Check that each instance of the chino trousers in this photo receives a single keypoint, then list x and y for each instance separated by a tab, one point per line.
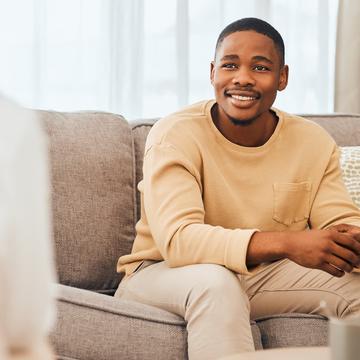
217	304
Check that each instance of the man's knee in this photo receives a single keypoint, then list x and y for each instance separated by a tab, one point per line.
216	280
350	296
217	291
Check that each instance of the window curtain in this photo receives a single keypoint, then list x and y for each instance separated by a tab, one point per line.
347	78
146	58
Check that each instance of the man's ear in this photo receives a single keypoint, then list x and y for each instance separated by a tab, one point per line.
212	69
283	79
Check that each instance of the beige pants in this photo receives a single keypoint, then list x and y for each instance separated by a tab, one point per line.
217	303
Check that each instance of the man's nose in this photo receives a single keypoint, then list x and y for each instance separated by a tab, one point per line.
243	77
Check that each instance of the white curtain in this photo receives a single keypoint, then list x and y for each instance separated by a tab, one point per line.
347	75
146	58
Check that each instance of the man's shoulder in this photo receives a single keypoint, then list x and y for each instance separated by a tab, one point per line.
187	120
297	125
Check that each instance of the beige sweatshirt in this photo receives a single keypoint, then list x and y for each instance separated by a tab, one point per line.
202	196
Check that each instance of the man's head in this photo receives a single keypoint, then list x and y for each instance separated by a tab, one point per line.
247	71
257	25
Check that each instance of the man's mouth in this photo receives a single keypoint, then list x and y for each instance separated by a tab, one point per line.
243	98
243	95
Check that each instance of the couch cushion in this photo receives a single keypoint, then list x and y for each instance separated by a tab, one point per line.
110	328
350	165
93	195
94	326
288	330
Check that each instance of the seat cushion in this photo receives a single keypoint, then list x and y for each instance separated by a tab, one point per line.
287	330
94	326
93	195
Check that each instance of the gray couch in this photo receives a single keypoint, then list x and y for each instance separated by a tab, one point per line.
96	161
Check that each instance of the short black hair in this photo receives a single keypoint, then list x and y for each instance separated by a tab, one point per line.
258	25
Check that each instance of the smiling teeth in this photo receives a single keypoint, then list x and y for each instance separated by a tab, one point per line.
243	98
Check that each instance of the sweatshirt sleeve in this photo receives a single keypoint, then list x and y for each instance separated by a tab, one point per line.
332	204
175	212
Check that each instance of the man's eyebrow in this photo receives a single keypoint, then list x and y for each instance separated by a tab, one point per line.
262	58
256	58
229	57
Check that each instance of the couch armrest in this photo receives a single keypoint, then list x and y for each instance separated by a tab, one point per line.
109	304
95	326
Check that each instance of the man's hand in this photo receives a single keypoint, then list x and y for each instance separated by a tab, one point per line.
335	250
348	229
331	250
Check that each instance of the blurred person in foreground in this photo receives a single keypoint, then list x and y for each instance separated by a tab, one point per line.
27	309
244	210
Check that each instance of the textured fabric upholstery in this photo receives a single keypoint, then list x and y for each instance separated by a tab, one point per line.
140	130
344	128
92	195
93	326
350	165
107	328
293	330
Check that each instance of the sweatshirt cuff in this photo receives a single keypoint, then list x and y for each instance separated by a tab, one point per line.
235	255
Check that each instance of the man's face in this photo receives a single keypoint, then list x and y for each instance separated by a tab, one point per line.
246	75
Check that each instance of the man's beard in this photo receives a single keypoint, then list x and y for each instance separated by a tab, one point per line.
243	123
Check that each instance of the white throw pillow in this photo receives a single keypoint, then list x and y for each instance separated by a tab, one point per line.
350	165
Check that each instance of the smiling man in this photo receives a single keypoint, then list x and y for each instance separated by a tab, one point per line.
239	219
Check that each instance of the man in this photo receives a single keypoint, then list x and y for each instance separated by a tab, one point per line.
27	307
239	219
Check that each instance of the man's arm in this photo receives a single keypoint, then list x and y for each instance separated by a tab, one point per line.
335	250
175	212
328	250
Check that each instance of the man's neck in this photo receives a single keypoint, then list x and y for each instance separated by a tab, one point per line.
255	133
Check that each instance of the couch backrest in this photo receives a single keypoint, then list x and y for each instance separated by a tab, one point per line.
140	130
344	128
93	195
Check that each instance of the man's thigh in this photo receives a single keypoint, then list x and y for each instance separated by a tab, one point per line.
172	289
284	287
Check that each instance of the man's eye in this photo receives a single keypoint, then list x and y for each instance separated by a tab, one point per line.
261	68
229	66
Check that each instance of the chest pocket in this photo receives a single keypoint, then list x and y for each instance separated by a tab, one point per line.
291	202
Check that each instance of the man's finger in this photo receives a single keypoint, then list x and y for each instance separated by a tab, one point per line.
339	227
346	254
340	264
357	237
346	228
348	241
332	270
